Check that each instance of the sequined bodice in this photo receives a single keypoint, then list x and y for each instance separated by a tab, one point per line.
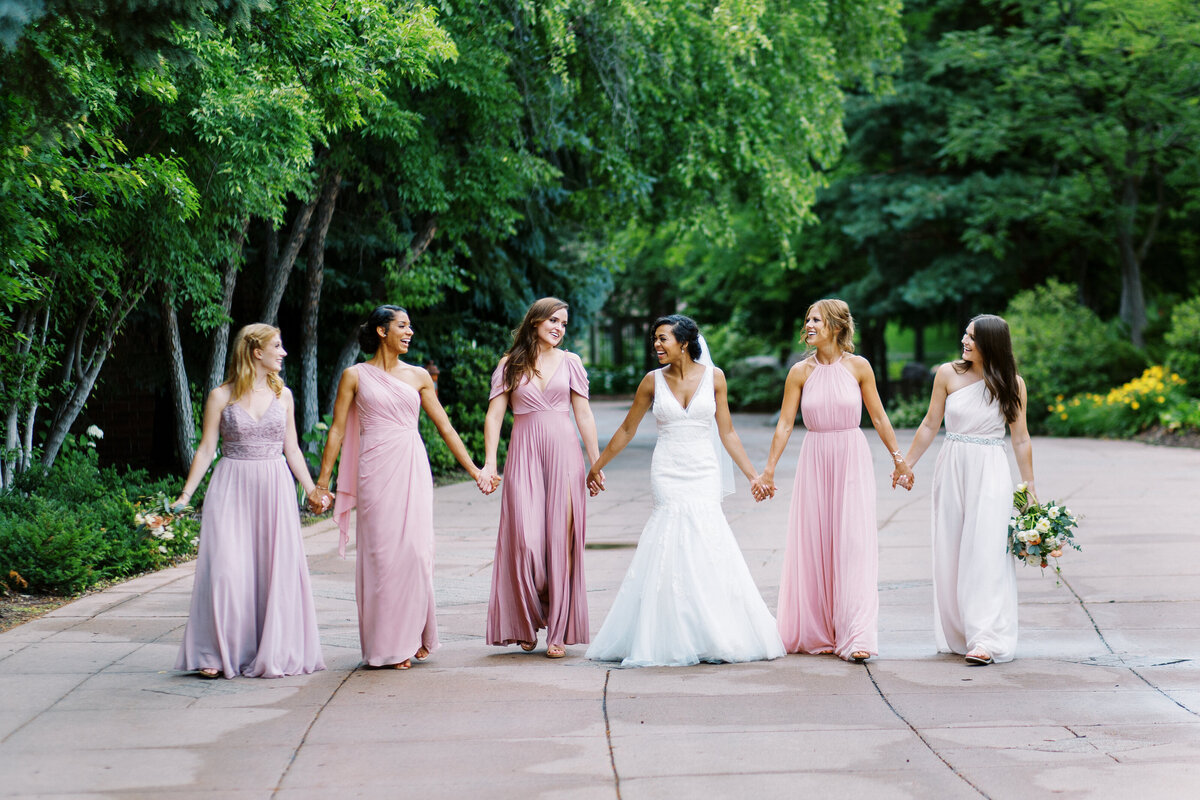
243	437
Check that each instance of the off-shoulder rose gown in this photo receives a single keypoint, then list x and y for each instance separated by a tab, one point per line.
384	477
537	576
974	576
252	610
828	595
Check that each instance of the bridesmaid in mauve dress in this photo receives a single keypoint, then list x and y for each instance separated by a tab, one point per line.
252	611
385	478
537	576
828	597
974	576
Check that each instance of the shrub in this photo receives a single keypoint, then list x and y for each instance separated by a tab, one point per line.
1124	411
756	388
1183	339
1064	349
69	527
907	412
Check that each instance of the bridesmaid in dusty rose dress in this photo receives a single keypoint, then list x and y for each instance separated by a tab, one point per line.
828	597
384	476
252	610
537	576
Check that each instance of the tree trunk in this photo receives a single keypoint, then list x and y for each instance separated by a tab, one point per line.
80	374
1133	300
279	271
345	359
181	396
219	347
919	343
312	303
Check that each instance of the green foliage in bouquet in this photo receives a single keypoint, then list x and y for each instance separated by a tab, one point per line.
1038	532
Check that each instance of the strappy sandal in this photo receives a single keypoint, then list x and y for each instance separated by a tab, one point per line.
555	651
208	673
528	646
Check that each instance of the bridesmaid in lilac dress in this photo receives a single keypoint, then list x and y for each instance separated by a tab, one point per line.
828	597
384	477
252	611
537	576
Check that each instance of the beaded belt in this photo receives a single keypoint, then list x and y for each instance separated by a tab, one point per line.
962	437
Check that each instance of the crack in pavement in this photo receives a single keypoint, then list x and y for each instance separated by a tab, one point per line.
919	735
612	758
1107	646
292	758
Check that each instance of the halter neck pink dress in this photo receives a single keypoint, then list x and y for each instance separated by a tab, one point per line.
252	610
537	576
384	477
828	596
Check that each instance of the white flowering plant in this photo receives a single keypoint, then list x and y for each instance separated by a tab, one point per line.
1038	532
171	528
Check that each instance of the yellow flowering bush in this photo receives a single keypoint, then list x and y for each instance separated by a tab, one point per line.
1156	398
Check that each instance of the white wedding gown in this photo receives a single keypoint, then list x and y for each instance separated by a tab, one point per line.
688	595
974	575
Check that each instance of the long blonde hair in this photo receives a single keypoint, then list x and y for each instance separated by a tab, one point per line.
522	356
837	316
240	376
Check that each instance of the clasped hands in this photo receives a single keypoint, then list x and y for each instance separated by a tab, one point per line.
320	500
595	481
487	480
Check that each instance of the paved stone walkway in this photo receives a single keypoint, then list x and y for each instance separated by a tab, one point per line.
1102	701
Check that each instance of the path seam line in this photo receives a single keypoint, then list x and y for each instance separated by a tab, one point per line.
307	731
612	758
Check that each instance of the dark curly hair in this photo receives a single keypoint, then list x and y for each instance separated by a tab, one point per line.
685	331
368	332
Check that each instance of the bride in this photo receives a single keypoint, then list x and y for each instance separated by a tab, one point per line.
688	595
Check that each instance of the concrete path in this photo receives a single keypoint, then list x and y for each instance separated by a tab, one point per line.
1102	701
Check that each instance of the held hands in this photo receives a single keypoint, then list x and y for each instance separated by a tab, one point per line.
762	487
903	477
487	480
595	481
319	500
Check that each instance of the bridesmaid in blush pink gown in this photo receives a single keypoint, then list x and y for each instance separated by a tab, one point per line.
252	611
828	598
384	477
537	576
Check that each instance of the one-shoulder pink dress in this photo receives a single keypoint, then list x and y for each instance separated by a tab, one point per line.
252	610
828	596
537	577
384	477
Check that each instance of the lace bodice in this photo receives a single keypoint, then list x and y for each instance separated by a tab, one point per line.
244	437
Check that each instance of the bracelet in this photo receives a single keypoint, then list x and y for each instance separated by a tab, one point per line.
322	488
896	457
185	494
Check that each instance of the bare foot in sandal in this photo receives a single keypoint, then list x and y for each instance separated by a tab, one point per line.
555	651
528	646
422	653
405	664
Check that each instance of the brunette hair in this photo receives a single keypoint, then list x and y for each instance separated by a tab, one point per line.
684	330
368	332
240	375
994	345
522	356
836	314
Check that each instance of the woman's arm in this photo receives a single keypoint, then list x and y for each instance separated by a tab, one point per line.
624	433
347	390
793	388
1022	444
317	501
493	421
437	415
729	437
210	431
932	423
901	473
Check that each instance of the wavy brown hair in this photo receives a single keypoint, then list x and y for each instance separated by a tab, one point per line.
836	314
522	356
240	376
994	345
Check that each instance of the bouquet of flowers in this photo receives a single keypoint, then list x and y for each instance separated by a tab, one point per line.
156	516
1039	531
